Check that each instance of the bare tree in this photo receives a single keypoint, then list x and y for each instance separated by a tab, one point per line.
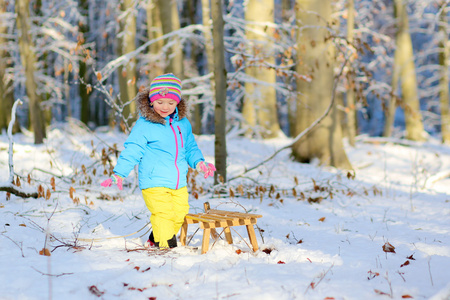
316	57
6	82
220	77
404	73
28	58
83	73
127	73
156	65
260	101
444	56
170	21
350	91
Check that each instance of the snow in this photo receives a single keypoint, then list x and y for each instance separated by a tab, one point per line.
329	249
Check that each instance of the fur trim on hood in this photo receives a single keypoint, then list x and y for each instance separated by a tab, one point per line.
146	111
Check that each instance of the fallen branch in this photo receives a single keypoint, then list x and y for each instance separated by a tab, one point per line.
54	275
18	192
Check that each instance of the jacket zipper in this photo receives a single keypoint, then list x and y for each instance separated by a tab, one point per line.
181	136
176	152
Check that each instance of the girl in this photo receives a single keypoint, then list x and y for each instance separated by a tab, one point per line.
163	145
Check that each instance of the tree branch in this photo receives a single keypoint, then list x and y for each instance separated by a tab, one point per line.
307	130
10	188
14	190
11	141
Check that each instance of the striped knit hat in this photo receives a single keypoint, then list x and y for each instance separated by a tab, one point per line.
165	86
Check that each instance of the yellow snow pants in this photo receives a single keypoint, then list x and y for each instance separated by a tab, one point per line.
168	208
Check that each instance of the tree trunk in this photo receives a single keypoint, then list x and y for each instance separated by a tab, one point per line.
316	57
154	30
206	20
28	59
170	21
350	105
404	71
127	73
260	102
6	86
196	119
443	83
287	14
220	77
83	73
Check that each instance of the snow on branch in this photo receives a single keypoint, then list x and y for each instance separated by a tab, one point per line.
9	186
11	141
121	60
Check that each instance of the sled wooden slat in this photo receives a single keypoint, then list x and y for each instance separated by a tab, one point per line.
212	218
233	213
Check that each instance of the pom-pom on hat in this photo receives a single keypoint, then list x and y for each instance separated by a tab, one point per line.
165	86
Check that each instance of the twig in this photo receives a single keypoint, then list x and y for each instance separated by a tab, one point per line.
218	238
251	248
390	285
429	271
313	285
192	236
16	243
54	275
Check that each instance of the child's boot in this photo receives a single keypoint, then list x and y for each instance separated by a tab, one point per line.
151	241
172	242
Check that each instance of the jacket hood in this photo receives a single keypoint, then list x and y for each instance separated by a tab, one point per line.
147	111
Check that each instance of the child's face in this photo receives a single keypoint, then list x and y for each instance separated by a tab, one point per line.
164	106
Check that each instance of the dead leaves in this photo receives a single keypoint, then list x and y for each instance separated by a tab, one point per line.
137	268
372	275
381	292
411	257
404	264
41	191
387	247
95	291
53	184
17	183
45	252
75	200
48	195
267	250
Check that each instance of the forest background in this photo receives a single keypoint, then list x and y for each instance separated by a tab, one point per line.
255	68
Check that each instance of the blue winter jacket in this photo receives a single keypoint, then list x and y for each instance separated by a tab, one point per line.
163	147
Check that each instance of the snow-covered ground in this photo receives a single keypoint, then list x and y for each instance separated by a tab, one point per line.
328	239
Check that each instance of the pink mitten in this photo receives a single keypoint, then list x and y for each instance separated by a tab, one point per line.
207	168
116	179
